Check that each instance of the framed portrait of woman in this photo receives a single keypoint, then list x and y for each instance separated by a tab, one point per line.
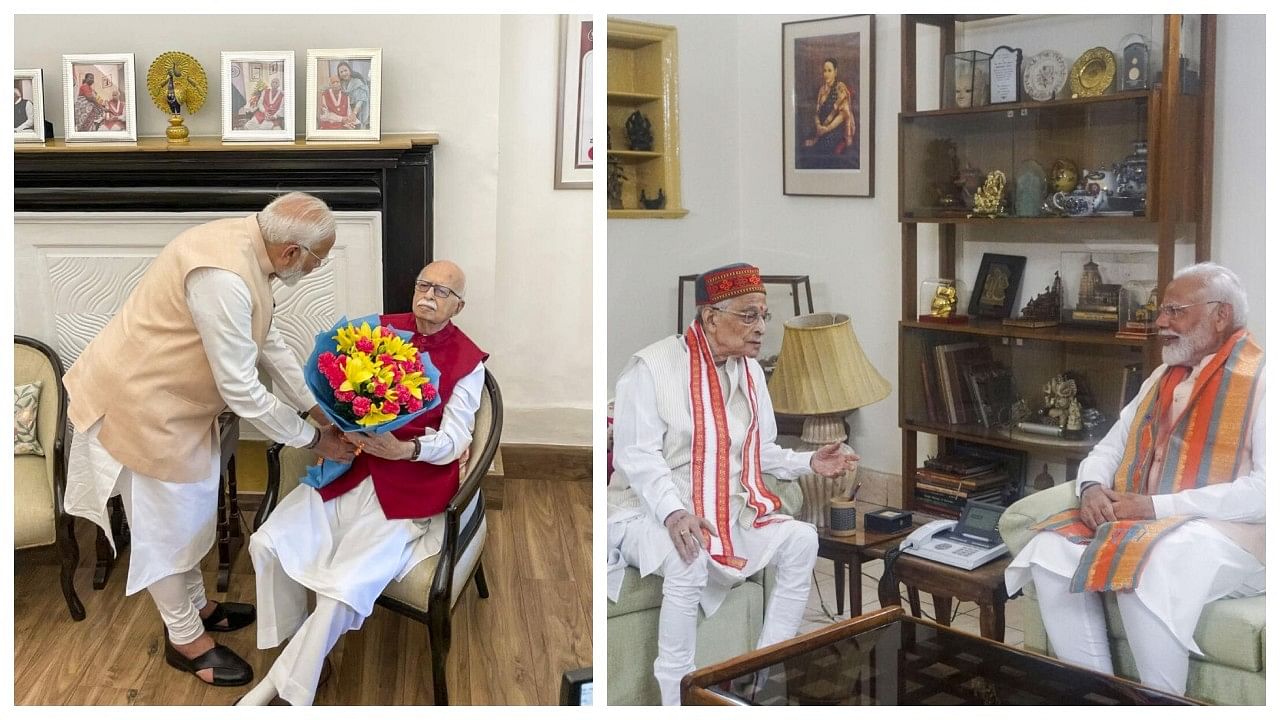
100	103
828	106
344	94
28	105
257	96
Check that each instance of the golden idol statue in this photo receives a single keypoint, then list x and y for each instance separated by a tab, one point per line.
989	201
175	80
943	304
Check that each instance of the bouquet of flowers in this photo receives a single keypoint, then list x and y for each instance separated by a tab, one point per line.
367	377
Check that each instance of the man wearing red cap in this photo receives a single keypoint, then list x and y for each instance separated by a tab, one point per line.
693	434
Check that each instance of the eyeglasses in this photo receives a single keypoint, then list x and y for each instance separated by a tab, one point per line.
750	317
321	261
1175	312
436	289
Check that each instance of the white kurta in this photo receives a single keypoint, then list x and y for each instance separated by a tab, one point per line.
172	524
639	433
1199	561
347	549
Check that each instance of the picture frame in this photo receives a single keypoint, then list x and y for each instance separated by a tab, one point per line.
575	142
995	293
1006	75
351	109
100	102
258	96
828	106
28	106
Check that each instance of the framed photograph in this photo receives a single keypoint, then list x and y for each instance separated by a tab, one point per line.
258	96
996	290
99	97
828	106
344	94
28	106
574	142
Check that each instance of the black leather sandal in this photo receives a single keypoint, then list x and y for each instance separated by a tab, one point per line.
237	615
229	669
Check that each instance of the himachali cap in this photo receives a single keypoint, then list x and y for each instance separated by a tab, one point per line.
725	282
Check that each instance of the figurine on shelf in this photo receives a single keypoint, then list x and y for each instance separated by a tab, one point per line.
1063	175
1074	423
1044	309
1044	480
944	301
1059	394
989	201
655	203
639	132
617	175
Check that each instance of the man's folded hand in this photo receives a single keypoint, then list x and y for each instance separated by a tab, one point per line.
334	446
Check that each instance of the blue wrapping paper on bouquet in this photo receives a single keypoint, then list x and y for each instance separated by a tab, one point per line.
328	470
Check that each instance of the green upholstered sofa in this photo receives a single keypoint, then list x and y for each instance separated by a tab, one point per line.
1232	632
633	623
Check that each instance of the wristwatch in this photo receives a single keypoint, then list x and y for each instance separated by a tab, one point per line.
314	441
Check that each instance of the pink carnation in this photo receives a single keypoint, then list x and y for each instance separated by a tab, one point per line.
335	376
380	389
361	406
386	359
412	404
402	392
364	345
428	392
345	396
391	408
326	360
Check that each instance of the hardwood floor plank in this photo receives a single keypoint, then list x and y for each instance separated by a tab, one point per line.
507	650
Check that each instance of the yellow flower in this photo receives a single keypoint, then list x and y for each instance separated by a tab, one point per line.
359	369
414	382
396	347
375	416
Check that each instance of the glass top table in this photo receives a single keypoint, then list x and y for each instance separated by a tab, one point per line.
889	658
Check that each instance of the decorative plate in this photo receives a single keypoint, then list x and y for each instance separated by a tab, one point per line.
1093	73
1044	75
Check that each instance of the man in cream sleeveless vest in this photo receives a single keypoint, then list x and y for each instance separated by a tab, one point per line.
1172	501
693	432
146	393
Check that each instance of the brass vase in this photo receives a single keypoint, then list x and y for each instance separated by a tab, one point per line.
177	132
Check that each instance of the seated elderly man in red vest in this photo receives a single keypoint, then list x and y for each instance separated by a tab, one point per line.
1172	509
348	540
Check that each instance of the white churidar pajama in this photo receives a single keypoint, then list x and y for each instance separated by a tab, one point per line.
1197	563
345	551
172	525
638	537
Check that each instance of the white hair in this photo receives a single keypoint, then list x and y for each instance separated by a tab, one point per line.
1222	284
297	219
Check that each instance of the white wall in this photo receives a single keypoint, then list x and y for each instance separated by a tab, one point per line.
851	247
494	108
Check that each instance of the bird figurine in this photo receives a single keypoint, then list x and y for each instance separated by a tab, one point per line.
176	80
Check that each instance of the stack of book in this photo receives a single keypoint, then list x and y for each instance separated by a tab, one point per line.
964	385
947	482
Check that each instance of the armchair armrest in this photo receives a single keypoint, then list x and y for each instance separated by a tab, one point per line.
788	491
1020	516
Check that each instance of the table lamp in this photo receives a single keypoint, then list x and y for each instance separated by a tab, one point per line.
823	374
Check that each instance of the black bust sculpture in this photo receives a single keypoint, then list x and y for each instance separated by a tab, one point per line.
639	132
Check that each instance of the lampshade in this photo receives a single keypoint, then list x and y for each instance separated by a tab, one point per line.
822	369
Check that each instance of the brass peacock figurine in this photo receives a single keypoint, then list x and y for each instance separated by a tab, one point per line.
175	80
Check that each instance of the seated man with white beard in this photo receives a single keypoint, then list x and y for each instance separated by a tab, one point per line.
348	540
1172	501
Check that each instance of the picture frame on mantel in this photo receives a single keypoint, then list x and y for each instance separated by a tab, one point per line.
828	106
575	143
100	102
344	94
28	106
258	96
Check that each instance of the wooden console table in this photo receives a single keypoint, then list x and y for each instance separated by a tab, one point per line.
982	585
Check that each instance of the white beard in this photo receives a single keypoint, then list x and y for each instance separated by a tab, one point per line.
1197	343
291	276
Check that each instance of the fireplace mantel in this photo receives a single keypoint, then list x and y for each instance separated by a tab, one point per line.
392	176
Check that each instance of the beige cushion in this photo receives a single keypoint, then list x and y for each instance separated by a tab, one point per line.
26	407
32	503
415	586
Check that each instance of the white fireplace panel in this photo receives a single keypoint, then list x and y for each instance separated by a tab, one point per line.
73	272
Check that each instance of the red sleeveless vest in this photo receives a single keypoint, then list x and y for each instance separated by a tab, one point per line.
408	489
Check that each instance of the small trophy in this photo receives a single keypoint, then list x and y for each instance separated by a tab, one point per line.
175	80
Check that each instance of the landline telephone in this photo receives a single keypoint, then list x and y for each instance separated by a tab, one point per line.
968	543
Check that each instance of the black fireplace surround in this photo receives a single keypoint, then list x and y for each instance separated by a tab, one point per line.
393	177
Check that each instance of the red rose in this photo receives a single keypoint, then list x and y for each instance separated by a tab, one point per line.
345	396
361	406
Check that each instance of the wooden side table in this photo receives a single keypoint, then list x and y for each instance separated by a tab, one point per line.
230	536
983	585
849	552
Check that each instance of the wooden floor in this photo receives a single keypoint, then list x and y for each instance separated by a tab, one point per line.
507	650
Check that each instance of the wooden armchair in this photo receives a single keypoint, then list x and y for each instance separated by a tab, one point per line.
39	482
428	593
